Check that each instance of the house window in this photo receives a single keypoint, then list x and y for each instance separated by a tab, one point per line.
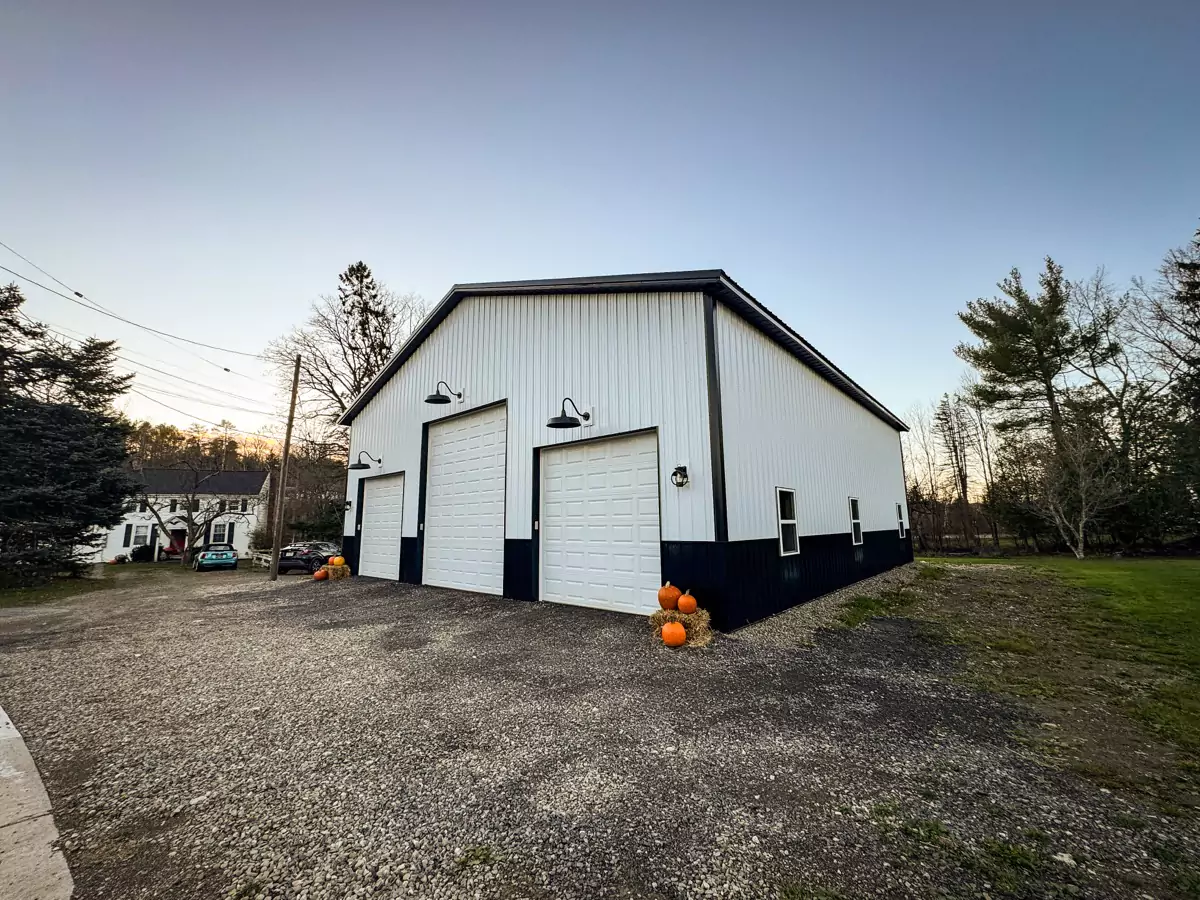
218	533
245	505
141	535
789	538
855	522
900	519
220	506
174	504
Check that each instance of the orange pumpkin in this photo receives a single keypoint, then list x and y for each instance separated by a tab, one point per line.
338	561
674	634
668	597
320	575
687	603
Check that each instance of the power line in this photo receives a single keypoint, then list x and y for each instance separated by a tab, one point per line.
201	400
134	364
90	305
199	419
51	326
106	311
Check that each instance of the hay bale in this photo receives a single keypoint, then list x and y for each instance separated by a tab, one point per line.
698	625
335	572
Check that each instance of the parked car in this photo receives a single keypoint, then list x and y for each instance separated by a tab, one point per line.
306	556
215	556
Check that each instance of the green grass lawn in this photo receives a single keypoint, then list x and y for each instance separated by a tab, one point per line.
1060	628
1149	604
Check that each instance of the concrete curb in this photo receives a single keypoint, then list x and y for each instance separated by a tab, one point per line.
31	866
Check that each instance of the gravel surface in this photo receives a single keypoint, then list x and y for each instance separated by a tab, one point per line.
798	626
215	736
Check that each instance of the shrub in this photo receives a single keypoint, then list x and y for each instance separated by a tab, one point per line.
144	553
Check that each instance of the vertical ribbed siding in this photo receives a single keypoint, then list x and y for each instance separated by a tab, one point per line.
786	427
637	360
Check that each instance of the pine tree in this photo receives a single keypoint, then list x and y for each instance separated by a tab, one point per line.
1026	346
62	448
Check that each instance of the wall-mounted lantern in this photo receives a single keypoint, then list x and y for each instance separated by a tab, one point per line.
438	397
680	476
562	420
360	465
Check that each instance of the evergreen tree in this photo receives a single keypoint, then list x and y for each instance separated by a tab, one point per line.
1026	347
62	448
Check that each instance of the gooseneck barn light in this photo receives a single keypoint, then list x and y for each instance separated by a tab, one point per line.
360	465
438	397
562	420
680	476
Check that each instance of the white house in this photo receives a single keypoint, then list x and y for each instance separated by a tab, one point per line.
584	440
229	505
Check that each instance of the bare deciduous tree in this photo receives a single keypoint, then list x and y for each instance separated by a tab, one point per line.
1076	484
344	343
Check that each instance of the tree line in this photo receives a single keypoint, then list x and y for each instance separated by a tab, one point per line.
1078	426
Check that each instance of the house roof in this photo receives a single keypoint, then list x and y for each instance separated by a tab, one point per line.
187	481
713	282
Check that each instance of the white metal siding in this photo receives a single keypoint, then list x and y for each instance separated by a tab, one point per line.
464	503
599	525
785	426
637	360
383	513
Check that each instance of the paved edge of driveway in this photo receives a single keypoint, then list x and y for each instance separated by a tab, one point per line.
31	865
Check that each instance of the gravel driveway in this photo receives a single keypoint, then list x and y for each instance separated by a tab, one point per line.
216	736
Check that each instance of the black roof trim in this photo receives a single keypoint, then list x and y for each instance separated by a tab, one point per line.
709	281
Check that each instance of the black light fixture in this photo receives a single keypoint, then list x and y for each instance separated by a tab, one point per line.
360	465
680	476
438	397
562	420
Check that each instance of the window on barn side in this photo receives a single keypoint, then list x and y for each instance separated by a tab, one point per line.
855	522
900	519
789	537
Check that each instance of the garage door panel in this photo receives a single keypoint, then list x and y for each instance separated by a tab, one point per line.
382	518
599	524
464	502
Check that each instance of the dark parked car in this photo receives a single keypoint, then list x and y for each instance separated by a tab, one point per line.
307	556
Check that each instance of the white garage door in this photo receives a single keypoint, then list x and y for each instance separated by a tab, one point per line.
464	503
382	515
599	524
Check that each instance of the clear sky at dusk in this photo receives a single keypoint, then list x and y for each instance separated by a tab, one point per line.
863	169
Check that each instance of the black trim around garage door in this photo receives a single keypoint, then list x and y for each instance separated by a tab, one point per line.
352	544
412	550
740	582
522	559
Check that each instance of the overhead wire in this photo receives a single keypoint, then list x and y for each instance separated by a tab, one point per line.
92	306
133	364
96	306
203	420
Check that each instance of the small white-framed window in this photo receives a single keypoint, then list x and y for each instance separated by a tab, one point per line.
900	519
855	522
785	506
141	535
218	533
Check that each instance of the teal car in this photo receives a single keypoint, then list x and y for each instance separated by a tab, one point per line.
215	556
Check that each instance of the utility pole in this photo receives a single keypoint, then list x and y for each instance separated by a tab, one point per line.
277	541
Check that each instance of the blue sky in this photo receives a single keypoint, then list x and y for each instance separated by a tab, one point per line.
862	170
